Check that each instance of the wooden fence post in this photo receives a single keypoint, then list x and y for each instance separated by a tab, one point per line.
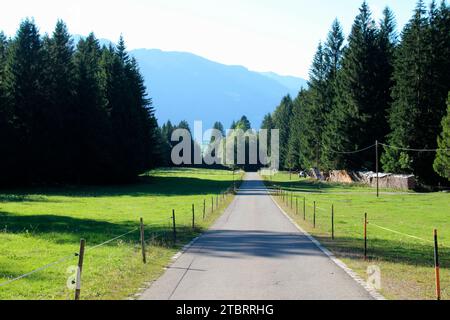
437	266
204	209
314	219
80	269
144	258
365	236
193	216
174	225
332	221
304	208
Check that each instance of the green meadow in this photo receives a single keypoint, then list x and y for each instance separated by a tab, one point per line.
41	225
400	231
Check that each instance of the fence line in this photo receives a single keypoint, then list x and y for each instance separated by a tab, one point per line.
404	234
382	228
74	255
111	240
414	150
51	264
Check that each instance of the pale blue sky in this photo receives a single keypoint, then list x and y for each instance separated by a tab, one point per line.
262	35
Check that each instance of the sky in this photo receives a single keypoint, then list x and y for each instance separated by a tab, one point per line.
262	35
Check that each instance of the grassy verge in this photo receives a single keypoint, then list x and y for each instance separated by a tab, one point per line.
39	226
406	263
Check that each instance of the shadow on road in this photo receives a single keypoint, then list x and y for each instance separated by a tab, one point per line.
233	244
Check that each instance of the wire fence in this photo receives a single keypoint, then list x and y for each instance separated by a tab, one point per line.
172	231
324	219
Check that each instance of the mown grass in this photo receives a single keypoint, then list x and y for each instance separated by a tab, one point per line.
39	226
407	264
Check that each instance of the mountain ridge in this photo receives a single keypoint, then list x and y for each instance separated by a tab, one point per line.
210	90
186	86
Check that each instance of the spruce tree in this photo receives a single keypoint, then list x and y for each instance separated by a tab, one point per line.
293	158
6	133
59	81
326	90
316	105
281	118
359	116
92	155
219	126
420	91
23	86
442	162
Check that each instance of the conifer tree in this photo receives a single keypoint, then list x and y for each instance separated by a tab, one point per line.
281	118
359	117
23	86
442	162
92	156
420	92
6	133
59	113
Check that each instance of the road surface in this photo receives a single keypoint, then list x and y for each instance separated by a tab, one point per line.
253	252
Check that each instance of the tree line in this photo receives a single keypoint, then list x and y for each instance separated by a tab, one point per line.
167	144
376	86
72	113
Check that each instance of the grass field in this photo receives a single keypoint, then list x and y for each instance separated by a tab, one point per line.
406	263
39	226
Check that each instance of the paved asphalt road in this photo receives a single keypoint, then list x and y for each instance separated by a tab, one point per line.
254	252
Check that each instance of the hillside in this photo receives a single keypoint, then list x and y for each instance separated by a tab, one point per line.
184	86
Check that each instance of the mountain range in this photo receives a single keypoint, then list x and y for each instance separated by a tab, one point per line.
184	86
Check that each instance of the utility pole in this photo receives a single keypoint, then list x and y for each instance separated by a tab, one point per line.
377	169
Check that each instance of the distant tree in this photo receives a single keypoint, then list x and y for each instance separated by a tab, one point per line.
282	118
268	124
243	124
184	125
293	158
442	162
219	126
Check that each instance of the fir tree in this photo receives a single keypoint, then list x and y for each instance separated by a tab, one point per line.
359	117
23	86
92	156
59	80
281	119
420	92
442	162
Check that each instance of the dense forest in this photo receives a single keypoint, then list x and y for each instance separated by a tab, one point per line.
376	86
72	113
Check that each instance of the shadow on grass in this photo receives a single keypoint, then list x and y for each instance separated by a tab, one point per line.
414	254
69	230
146	186
306	186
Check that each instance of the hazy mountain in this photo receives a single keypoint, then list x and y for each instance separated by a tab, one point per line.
184	86
290	82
